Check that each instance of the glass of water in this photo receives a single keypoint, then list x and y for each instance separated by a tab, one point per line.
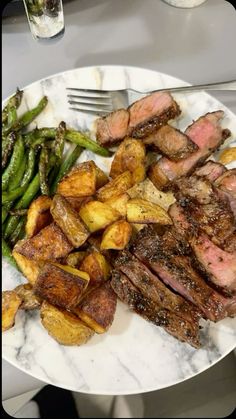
46	18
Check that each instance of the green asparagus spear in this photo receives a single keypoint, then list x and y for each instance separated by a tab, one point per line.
15	162
23	203
39	136
43	171
29	116
6	252
10	196
14	101
30	168
15	181
60	141
7	147
16	233
66	165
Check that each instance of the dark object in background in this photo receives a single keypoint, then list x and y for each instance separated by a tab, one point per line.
56	403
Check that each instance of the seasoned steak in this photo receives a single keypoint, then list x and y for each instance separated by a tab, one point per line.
112	128
171	142
207	133
150	113
211	170
153	288
227	182
230	244
219	264
183	330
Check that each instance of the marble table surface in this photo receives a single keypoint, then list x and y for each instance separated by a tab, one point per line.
194	45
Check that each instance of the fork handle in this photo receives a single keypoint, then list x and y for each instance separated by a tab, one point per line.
227	85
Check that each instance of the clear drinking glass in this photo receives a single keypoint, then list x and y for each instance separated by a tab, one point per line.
46	18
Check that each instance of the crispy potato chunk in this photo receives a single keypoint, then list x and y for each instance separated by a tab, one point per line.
96	265
49	244
80	181
61	285
69	221
97	309
29	268
146	190
228	155
144	212
10	304
119	203
157	176
63	326
130	155
74	259
38	215
29	300
116	236
98	215
101	178
115	187
77	203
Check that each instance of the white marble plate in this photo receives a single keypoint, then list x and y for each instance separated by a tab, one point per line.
134	356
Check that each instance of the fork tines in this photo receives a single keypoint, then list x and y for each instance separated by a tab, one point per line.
90	101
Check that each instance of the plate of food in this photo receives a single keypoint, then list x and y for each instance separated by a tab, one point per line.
119	245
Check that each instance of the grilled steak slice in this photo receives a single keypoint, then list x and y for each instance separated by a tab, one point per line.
219	264
150	113
207	133
181	224
112	128
176	326
154	289
211	170
227	182
230	244
171	142
177	272
195	187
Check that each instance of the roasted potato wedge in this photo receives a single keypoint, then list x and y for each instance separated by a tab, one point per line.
98	215
146	190
115	187
49	244
77	203
63	326
116	236
101	178
80	181
130	155
74	259
10	304
119	203
69	221
96	265
29	300
30	268
61	285
157	176
144	212
97	309
228	155
38	215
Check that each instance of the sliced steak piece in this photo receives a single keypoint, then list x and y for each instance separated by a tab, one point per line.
150	113
171	142
211	170
177	272
230	244
184	228
176	326
112	128
219	264
207	133
153	288
195	187
227	182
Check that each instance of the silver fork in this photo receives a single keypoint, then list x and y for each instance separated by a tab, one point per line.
102	102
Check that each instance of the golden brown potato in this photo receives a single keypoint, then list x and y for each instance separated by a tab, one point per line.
38	215
96	265
69	221
228	155
116	236
61	285
10	304
157	176
49	244
97	309
144	212
130	155
29	268
63	326
98	215
76	203
74	259
29	300
101	178
146	190
115	187
138	227
80	181
119	203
